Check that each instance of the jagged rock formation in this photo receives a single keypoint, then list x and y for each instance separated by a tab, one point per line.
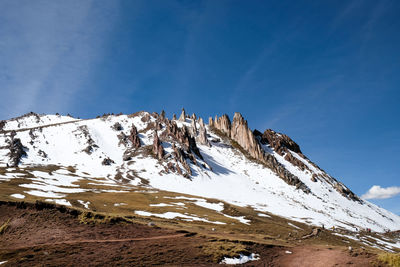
2	124
134	137
202	135
280	142
183	115
184	144
162	115
283	145
239	132
193	127
158	149
182	136
16	151
180	157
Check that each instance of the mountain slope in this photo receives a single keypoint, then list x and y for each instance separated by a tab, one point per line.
222	160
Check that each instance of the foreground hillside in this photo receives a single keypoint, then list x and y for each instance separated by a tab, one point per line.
40	233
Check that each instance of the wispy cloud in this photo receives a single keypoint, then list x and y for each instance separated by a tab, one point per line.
377	192
47	51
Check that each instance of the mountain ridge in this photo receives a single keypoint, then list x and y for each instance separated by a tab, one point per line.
222	160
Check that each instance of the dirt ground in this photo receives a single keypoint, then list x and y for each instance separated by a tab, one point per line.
38	236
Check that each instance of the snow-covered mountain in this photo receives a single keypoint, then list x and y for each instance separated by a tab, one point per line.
223	160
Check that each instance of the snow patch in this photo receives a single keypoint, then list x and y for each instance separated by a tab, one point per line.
239	218
85	204
60	201
20	196
241	260
173	215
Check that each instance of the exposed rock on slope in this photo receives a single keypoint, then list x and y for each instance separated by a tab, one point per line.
134	137
284	146
158	149
239	132
183	115
279	142
17	151
202	136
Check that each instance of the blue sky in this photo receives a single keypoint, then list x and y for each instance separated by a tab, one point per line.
326	73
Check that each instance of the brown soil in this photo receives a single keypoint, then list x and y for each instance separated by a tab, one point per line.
317	256
55	237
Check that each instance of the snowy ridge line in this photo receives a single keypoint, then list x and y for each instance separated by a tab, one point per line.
43	126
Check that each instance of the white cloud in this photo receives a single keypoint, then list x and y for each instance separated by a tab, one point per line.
48	50
377	192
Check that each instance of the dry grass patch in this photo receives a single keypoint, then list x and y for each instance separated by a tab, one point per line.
219	249
391	259
4	226
95	218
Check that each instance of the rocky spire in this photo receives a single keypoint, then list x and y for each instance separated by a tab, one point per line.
134	137
223	124
183	115
158	149
179	156
174	117
193	117
210	122
241	133
162	115
202	137
194	128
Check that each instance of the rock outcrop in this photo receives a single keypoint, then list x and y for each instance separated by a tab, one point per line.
284	146
158	149
16	151
182	136
280	142
223	124
107	162
183	115
239	132
202	136
194	127
134	137
117	126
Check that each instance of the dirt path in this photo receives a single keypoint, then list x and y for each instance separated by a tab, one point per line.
317	256
72	242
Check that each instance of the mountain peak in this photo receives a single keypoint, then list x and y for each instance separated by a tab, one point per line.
223	160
